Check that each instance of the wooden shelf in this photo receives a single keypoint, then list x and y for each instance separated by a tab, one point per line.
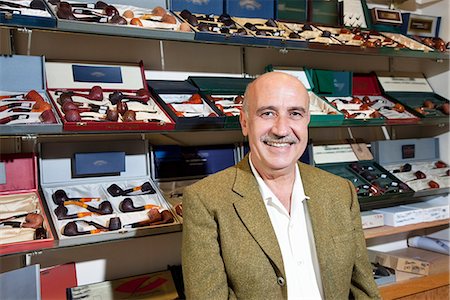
415	286
389	230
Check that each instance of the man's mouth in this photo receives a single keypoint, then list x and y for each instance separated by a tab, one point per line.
277	144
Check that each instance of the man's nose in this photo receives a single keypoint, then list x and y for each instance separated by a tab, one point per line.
281	126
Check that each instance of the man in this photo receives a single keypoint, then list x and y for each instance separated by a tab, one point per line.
270	227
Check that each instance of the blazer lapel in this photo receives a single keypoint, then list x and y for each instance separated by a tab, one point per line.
253	214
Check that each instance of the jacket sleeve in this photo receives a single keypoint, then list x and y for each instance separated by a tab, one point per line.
203	269
363	285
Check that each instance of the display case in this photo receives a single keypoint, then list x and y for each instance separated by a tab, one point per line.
24	225
31	14
102	191
104	97
24	104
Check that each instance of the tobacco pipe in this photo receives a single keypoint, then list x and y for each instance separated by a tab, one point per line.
154	218
61	213
95	93
405	168
127	206
104	208
71	228
35	4
15	104
141	95
97	5
60	196
145	188
11	96
8	119
32	220
47	117
65	12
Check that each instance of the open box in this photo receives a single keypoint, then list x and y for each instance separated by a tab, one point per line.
366	85
175	167
89	170
271	32
336	88
414	91
301	32
185	105
21	205
118	17
26	113
218	28
19	13
321	112
119	97
416	162
259	9
225	93
375	186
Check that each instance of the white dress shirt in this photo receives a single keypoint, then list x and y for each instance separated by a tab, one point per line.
293	239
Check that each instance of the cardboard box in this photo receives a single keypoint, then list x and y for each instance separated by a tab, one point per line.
19	197
412	260
416	162
115	194
91	19
20	14
108	83
432	210
401	215
321	112
413	91
371	219
23	114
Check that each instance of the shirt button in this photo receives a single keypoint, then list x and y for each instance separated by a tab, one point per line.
280	281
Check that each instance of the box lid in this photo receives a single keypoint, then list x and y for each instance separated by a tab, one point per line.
299	73
405	150
365	84
17	172
331	83
57	161
175	162
224	85
21	73
172	86
403	82
65	75
251	9
201	7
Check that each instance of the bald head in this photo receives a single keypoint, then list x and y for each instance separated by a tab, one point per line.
273	81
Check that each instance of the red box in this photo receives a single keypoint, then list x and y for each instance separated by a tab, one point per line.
366	85
68	78
19	188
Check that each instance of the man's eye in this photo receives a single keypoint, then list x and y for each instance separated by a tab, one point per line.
296	114
267	114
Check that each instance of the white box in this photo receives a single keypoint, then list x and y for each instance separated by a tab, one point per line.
431	211
400	215
371	219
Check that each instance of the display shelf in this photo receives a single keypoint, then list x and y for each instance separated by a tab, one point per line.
389	230
186	37
412	287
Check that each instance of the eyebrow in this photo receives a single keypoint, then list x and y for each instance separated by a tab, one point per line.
271	107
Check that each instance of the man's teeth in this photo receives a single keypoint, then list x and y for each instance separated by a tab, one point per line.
277	144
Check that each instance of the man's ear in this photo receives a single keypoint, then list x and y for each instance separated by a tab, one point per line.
243	121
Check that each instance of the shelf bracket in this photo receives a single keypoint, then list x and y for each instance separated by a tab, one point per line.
161	51
385	133
28	256
29	32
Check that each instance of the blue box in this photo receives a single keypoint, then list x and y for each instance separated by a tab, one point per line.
175	162
200	7
98	163
15	17
251	9
21	74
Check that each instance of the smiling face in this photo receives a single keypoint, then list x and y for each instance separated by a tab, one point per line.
275	119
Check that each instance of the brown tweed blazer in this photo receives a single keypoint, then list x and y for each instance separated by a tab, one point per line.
230	249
